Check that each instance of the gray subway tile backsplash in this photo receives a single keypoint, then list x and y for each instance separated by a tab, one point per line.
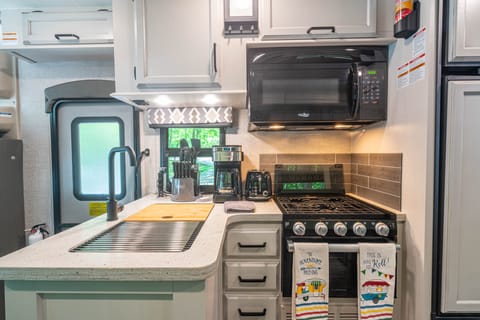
374	176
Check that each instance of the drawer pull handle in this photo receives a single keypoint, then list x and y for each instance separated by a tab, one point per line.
59	36
264	279
263	245
252	314
331	28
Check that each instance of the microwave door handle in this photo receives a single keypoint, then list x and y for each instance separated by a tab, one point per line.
356	90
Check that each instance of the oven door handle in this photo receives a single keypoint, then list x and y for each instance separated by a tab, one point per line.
336	247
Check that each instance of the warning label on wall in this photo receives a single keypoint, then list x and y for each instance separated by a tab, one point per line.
97	208
9	38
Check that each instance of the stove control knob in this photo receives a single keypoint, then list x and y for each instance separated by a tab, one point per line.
321	229
340	229
382	229
299	229
359	229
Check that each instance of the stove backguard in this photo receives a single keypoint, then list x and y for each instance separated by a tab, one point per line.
309	179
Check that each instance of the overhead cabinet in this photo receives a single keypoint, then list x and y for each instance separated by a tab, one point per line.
463	39
176	44
58	34
67	27
318	18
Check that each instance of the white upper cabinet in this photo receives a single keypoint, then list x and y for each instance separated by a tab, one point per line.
318	18
81	27
176	44
460	272
58	34
463	35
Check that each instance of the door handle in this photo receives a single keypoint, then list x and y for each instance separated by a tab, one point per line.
331	28
59	36
263	245
356	88
264	279
252	314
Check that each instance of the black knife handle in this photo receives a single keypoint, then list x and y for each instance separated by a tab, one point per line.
263	245
252	314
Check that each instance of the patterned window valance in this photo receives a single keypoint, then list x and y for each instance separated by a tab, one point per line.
181	116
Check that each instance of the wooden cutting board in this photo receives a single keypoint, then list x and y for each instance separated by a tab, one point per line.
173	212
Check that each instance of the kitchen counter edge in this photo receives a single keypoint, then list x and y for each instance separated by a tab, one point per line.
50	259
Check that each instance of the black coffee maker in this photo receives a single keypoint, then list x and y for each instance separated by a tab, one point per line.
227	162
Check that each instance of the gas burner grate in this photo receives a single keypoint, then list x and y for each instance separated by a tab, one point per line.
324	205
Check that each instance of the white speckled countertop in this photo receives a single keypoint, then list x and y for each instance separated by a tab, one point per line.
50	259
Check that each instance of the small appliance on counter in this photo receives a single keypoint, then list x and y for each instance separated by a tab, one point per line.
258	186
228	175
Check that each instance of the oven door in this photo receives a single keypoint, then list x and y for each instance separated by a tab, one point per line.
300	93
343	271
343	274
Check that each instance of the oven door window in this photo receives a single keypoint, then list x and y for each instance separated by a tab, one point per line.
343	275
318	90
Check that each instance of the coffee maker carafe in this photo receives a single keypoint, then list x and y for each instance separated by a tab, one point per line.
228	174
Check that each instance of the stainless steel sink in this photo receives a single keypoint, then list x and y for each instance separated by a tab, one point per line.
129	236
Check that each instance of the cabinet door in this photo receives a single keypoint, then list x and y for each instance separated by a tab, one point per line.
286	17
174	43
463	39
67	27
461	259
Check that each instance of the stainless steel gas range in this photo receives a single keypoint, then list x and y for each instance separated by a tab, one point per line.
315	208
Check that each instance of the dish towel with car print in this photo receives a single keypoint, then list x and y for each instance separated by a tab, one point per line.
376	280
310	281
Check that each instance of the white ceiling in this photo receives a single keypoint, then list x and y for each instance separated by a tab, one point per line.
34	4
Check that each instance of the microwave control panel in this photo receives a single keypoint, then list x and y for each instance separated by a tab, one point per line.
371	83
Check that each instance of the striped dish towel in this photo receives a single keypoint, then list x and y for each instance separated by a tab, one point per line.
310	281
376	281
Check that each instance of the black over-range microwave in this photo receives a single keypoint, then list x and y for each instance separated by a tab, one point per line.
308	88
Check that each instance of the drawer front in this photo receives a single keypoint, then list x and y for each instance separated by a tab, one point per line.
251	276
67	27
252	307
258	242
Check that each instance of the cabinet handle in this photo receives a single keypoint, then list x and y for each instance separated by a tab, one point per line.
332	28
215	57
263	245
252	314
264	279
59	36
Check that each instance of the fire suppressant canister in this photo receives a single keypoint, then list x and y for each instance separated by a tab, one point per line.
402	9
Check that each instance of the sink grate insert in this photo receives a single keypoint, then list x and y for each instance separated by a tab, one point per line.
165	236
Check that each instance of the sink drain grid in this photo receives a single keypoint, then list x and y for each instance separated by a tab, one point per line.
165	236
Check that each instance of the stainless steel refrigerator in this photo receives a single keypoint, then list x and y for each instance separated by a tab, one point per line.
12	217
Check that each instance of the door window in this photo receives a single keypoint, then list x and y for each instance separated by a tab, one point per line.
92	139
